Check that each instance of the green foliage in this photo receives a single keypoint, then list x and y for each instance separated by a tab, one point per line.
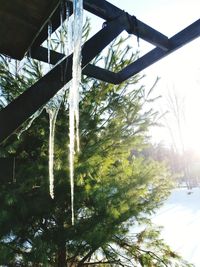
114	189
144	248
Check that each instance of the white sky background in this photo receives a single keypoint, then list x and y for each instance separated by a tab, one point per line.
179	71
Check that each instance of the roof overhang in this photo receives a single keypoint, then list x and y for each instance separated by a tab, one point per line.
21	22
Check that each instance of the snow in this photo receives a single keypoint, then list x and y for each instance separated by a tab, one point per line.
180	217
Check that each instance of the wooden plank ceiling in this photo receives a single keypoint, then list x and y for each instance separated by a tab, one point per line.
21	22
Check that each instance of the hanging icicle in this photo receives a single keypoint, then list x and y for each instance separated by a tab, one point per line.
69	26
52	108
29	123
74	38
77	27
62	29
52	121
49	42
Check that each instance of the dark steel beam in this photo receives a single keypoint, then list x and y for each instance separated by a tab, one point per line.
177	41
182	38
108	12
150	35
55	22
41	54
101	74
18	111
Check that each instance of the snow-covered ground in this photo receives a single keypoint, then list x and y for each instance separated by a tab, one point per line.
180	217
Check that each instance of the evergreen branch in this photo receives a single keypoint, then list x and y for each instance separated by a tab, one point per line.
152	254
88	255
119	262
127	259
16	250
101	262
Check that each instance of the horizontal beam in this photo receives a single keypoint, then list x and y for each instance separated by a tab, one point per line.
18	111
55	23
101	74
180	39
41	54
12	116
177	41
108	12
150	35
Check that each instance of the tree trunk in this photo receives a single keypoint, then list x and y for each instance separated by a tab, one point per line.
62	257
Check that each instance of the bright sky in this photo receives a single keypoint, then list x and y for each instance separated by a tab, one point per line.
180	71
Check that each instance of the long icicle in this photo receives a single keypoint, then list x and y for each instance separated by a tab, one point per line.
62	45
49	43
52	108
29	123
53	112
74	92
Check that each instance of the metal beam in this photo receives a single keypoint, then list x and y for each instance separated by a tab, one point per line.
18	111
55	22
177	41
180	39
41	54
12	116
108	12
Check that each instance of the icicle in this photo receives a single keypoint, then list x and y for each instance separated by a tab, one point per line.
53	112
28	125
52	108
65	47
62	44
70	40
71	155
49	43
16	68
65	21
74	91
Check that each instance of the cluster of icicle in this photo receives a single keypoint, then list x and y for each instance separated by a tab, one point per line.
74	92
74	26
74	38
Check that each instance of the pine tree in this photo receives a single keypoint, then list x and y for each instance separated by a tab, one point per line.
114	189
